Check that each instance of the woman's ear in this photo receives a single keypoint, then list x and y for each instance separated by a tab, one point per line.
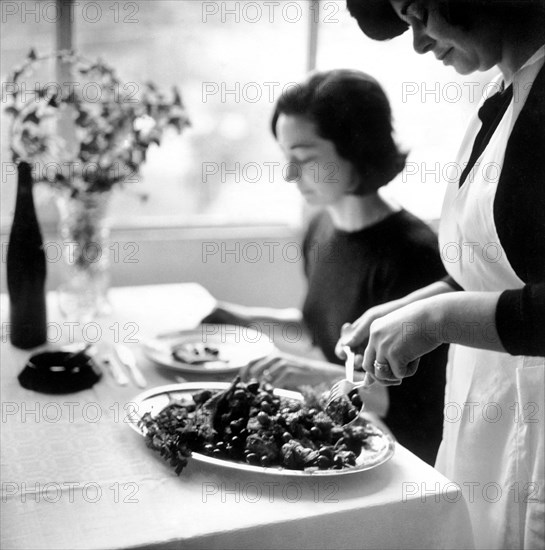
356	182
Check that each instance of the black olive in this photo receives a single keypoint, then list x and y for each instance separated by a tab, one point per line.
280	420
252	385
315	432
263	418
265	461
252	458
323	462
208	448
240	394
356	400
286	436
327	452
236	425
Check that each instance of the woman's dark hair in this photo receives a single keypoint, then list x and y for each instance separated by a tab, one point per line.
378	20
350	109
471	14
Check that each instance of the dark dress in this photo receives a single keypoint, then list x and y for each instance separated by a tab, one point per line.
347	274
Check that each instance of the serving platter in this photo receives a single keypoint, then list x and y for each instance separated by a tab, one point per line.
235	347
380	448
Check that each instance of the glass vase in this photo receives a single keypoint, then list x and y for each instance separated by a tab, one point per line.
84	228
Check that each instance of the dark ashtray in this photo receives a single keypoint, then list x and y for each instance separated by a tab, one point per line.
59	372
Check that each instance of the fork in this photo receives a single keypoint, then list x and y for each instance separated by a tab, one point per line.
344	387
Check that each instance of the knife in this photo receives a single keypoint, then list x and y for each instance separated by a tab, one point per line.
115	369
126	357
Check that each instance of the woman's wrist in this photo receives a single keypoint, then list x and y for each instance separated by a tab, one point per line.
466	318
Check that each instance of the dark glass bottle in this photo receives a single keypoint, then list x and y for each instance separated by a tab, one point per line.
26	269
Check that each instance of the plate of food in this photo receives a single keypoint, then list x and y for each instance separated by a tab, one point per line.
257	428
209	348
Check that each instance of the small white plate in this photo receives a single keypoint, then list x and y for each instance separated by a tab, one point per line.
237	346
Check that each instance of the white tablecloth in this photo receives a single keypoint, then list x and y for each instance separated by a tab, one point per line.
74	475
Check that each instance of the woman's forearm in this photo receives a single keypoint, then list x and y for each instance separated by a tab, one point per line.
252	314
466	318
435	289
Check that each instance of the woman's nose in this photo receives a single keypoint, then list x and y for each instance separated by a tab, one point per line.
422	42
292	172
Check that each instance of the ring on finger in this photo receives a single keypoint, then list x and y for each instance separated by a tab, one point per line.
382	367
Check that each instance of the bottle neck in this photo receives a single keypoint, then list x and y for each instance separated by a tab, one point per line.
24	183
25	222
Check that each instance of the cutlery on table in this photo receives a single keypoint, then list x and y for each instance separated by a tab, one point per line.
126	357
114	367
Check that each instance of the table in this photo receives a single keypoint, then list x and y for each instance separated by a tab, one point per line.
74	475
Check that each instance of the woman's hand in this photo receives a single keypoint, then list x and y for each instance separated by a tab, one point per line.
290	372
398	340
224	315
356	335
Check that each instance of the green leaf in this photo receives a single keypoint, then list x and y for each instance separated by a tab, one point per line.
11	110
32	117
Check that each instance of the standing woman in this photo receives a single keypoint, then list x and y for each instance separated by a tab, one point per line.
492	306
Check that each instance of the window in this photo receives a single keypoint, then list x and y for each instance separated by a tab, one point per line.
231	61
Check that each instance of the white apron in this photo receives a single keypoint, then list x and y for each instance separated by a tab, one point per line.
493	438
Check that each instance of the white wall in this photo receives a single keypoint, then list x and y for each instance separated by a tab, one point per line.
195	255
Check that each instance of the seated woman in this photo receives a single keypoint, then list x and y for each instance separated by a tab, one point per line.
359	250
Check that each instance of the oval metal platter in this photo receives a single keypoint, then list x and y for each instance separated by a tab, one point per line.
381	443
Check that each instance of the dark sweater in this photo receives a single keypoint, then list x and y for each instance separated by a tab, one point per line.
350	272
